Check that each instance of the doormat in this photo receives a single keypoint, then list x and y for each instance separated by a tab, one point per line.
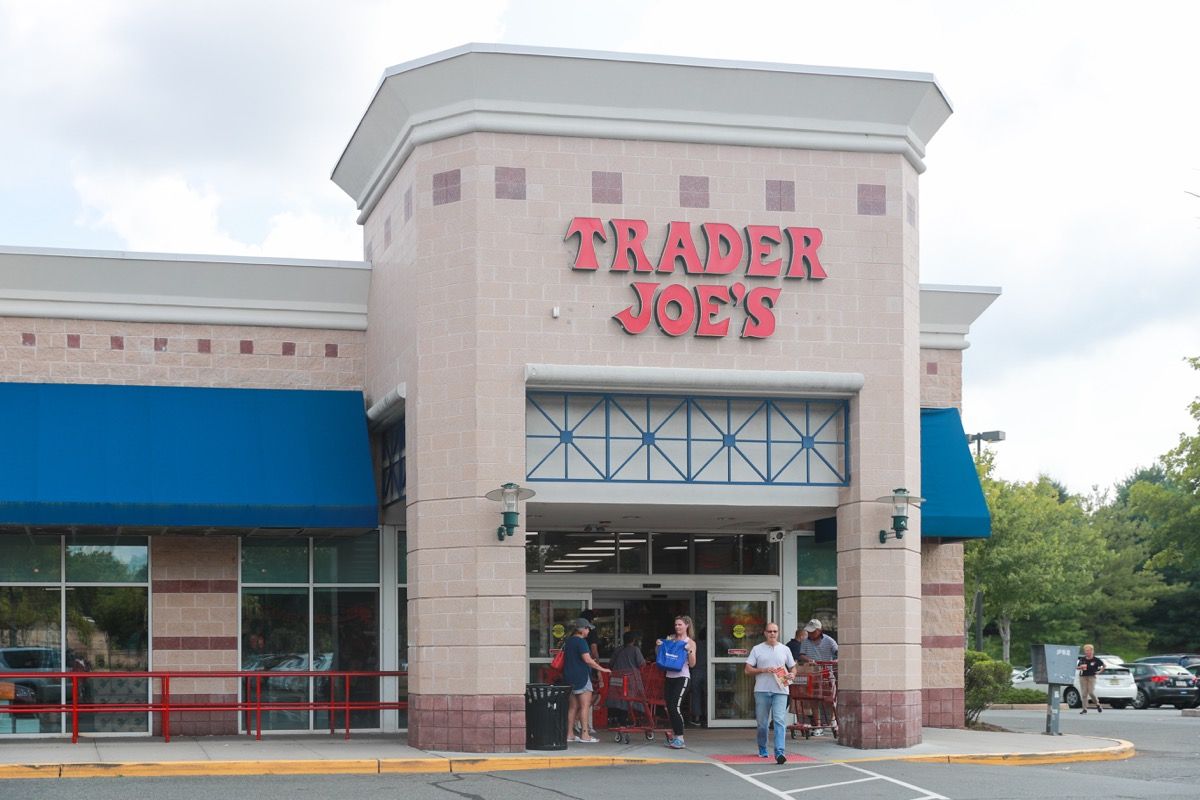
738	758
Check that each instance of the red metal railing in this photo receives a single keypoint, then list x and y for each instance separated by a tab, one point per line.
251	705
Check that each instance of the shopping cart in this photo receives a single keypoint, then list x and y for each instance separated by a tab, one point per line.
641	691
813	697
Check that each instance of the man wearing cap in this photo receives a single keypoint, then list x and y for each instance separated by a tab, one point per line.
577	666
816	646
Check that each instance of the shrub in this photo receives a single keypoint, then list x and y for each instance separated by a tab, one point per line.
1022	695
985	681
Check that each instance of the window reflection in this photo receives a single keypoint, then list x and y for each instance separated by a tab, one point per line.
346	637
108	631
275	638
30	642
97	558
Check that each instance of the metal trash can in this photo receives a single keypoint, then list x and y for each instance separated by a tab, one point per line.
546	716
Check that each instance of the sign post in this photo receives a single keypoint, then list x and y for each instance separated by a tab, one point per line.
1054	664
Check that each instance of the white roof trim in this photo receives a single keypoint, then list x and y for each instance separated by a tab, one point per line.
693	381
480	87
947	313
186	289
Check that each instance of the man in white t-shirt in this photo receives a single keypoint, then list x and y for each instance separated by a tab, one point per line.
773	667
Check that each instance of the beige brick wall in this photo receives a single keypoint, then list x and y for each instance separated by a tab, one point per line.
462	299
34	350
941	378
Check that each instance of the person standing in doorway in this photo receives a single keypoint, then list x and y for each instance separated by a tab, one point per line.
677	680
772	666
817	646
577	670
1089	667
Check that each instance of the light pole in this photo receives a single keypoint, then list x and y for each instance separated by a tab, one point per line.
985	436
979	439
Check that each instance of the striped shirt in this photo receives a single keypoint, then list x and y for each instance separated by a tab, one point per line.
823	649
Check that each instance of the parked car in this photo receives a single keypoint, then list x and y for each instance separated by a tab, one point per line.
1195	670
1022	676
1159	684
1114	686
1182	659
32	659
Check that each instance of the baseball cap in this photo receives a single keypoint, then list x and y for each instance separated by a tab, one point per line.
813	625
583	623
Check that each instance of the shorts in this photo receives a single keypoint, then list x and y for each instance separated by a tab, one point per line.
587	687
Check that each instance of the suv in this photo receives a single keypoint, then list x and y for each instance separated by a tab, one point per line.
1114	686
30	691
1164	683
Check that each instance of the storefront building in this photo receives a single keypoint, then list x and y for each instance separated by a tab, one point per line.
677	299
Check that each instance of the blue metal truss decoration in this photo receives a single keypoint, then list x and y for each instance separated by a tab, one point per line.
628	438
392	458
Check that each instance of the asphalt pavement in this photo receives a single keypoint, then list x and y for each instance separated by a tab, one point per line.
367	754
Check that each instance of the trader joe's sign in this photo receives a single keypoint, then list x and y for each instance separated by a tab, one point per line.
752	256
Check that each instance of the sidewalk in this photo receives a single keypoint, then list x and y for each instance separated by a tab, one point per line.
380	754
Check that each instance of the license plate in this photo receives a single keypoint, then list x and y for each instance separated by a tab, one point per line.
1182	683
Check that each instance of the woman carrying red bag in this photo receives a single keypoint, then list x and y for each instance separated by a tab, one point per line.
577	671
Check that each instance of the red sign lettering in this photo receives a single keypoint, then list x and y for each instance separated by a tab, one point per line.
707	309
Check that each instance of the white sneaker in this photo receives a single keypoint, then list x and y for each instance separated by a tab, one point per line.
818	732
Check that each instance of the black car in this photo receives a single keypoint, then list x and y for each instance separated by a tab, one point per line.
1159	684
1182	659
1195	670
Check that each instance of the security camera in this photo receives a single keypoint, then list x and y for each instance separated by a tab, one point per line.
775	535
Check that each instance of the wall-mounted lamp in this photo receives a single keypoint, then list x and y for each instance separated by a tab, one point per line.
899	500
508	495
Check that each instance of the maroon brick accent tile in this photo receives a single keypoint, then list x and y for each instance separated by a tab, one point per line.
288	349
204	345
607	187
447	187
331	351
880	719
510	183
116	343
203	643
931	368
246	347
29	339
73	341
160	344
781	195
194	587
693	191
941	589
872	199
408	204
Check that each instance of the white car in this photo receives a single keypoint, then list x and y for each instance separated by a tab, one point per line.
1114	686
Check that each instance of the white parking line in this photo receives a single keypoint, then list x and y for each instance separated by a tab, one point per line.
927	795
791	769
923	794
831	785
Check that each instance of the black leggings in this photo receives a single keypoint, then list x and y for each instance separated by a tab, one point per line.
676	689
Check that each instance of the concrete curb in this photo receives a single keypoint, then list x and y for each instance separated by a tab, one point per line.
1120	751
368	766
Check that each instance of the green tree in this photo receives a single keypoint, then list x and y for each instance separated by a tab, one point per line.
1041	558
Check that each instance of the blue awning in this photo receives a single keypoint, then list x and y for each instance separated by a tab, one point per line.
954	505
180	456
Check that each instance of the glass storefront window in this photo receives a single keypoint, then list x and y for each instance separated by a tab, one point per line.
275	638
759	556
31	559
818	604
549	627
671	553
346	560
346	637
275	560
30	641
402	621
715	554
816	562
98	558
108	631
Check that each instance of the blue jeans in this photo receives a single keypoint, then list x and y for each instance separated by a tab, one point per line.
771	706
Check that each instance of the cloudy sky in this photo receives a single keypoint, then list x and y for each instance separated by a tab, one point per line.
1063	176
